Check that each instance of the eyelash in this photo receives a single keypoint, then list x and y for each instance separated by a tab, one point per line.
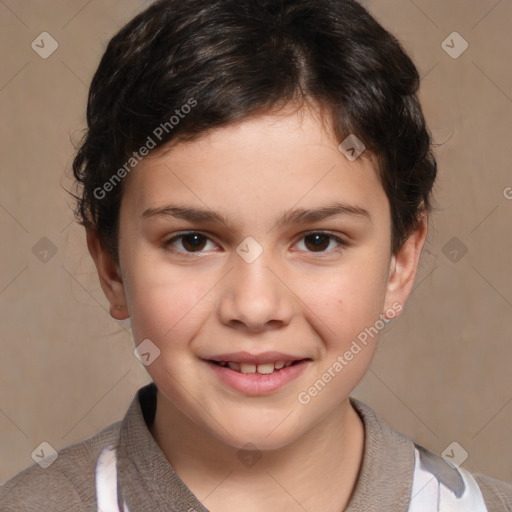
342	243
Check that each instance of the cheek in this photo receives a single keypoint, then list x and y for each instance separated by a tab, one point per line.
347	316
347	302
164	302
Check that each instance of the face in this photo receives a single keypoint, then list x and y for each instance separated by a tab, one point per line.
258	245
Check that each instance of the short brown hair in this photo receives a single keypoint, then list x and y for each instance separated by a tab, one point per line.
236	58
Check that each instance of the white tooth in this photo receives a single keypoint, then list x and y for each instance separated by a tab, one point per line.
266	368
247	368
234	366
279	364
288	363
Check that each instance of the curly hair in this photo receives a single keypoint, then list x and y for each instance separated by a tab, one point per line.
240	58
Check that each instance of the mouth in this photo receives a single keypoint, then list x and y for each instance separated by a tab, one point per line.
257	374
266	368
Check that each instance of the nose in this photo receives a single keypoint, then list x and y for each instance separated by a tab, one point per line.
254	296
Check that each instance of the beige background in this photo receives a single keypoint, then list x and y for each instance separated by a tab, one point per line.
442	372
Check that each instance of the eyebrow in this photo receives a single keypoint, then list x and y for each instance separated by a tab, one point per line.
297	216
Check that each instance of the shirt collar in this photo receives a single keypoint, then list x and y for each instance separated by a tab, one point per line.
387	470
148	481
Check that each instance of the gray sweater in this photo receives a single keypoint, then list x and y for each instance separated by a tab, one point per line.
148	483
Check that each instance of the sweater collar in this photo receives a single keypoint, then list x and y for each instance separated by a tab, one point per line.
386	474
148	481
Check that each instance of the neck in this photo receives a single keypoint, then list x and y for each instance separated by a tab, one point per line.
329	457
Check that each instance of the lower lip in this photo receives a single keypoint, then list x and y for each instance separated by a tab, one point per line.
255	383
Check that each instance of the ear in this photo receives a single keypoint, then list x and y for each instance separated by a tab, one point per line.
403	267
109	274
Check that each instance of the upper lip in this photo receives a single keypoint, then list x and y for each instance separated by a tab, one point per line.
248	358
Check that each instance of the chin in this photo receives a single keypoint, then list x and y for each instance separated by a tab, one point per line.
253	435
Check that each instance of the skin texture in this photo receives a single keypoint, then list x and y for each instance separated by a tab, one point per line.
294	298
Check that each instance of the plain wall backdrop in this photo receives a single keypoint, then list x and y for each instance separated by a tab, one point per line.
442	371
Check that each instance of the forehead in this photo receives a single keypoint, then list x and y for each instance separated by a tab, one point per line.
262	164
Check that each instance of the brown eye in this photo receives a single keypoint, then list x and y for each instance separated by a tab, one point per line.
194	242
319	242
190	242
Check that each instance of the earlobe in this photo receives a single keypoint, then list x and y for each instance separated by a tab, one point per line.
404	265
109	275
119	312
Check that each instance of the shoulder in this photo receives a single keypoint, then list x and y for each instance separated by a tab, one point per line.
429	480
67	484
497	494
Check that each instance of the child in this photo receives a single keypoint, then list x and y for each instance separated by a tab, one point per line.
226	140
